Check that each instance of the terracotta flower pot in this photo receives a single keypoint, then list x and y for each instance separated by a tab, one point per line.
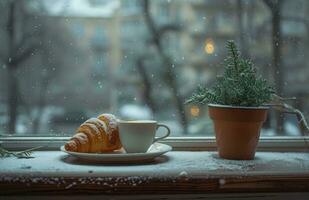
237	130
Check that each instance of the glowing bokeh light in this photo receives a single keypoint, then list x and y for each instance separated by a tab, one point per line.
195	111
209	46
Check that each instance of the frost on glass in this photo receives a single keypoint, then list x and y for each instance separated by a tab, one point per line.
64	61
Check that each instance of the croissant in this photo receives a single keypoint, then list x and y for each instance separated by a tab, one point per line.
96	135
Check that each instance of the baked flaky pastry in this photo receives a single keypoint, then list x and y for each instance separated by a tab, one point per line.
96	135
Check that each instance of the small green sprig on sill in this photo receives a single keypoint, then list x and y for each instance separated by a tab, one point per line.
18	154
238	86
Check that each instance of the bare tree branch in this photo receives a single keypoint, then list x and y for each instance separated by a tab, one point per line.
275	7
273	4
169	70
14	58
17	59
28	39
168	28
147	90
269	3
279	104
151	25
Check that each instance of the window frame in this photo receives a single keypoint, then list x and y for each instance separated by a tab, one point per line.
276	144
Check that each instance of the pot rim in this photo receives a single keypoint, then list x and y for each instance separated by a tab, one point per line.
239	107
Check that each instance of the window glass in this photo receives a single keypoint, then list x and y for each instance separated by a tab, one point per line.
64	61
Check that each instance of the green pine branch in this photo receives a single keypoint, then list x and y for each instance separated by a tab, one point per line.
238	86
18	154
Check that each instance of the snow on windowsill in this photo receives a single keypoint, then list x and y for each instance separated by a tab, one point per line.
173	164
190	172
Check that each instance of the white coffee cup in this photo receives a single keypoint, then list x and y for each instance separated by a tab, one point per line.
138	136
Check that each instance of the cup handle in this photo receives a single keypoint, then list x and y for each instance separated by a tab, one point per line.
166	135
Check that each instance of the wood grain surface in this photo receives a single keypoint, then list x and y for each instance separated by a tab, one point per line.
151	185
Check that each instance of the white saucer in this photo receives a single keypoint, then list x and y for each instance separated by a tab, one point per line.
154	151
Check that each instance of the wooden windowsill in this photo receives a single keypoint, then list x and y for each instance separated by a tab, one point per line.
178	172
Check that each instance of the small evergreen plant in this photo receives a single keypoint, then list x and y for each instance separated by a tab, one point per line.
238	86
